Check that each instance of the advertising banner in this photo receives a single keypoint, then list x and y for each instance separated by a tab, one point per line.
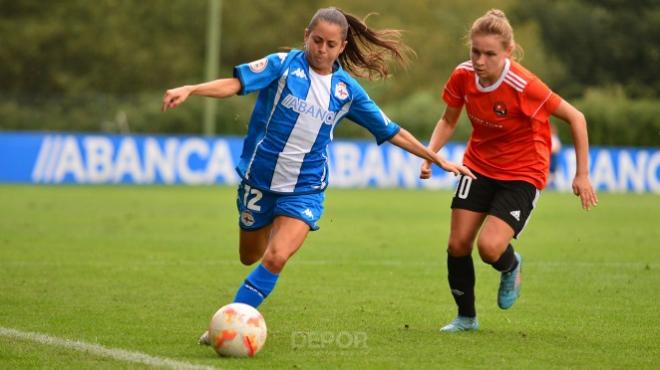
63	158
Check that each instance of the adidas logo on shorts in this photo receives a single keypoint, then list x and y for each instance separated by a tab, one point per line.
515	214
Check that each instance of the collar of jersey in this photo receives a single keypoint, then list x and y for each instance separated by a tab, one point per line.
493	87
319	76
336	67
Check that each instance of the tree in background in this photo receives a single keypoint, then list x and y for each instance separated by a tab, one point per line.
111	47
601	42
80	65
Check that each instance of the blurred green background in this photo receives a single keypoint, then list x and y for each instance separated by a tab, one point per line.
80	65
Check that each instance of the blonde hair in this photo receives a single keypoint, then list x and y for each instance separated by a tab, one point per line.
495	22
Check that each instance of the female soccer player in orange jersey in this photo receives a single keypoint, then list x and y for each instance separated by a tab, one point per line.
508	151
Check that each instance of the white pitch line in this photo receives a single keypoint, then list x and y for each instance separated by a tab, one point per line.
98	350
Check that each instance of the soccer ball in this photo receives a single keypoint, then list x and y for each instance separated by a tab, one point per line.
237	330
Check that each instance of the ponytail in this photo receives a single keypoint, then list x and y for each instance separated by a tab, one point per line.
367	50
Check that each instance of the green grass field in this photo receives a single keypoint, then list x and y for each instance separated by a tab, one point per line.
142	269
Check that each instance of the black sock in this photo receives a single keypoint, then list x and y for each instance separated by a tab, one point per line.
507	261
461	282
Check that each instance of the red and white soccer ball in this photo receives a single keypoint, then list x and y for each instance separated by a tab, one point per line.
237	330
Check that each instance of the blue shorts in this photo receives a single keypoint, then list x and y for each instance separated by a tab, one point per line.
257	208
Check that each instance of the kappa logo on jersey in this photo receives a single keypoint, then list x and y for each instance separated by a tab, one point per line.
299	73
308	213
304	107
246	218
258	65
515	214
500	109
341	92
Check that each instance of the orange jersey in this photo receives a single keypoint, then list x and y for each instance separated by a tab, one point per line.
510	137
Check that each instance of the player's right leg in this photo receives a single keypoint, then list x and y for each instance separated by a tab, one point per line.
252	244
255	216
469	206
255	210
460	268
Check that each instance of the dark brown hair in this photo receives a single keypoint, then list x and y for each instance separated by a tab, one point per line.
367	50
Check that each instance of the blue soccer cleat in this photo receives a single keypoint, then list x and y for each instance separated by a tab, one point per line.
461	323
510	286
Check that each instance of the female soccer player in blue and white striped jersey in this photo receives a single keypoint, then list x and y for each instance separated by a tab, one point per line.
303	94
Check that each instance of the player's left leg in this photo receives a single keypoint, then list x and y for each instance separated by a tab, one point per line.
495	249
286	237
510	211
294	216
493	242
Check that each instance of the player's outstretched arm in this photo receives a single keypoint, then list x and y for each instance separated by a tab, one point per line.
221	88
581	184
443	130
406	141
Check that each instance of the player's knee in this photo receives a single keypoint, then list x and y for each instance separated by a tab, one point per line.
488	250
487	256
274	261
459	248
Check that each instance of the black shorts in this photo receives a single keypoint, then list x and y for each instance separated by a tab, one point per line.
510	201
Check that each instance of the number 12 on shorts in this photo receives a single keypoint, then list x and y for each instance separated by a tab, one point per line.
251	196
463	188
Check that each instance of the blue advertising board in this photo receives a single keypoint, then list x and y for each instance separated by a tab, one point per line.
62	158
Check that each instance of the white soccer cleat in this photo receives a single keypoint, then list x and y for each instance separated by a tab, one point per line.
204	340
461	323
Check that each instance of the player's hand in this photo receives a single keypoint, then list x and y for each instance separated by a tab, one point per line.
174	97
425	171
456	169
582	188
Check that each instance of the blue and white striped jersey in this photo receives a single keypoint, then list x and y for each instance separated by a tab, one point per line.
285	150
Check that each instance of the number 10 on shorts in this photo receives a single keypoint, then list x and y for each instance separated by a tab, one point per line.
463	188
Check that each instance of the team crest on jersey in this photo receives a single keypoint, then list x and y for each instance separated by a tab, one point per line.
341	92
500	109
258	65
246	218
